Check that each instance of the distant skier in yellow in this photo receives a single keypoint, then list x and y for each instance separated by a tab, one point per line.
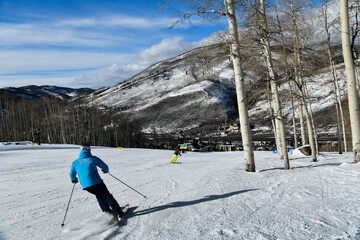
176	153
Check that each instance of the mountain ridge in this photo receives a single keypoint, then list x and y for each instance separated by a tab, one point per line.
37	92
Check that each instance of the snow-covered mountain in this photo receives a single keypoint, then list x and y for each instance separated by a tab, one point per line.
36	92
188	91
196	91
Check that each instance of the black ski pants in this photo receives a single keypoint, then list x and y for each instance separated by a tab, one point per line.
106	201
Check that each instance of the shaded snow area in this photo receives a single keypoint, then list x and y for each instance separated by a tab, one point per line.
207	196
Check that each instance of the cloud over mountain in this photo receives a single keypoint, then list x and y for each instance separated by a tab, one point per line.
115	73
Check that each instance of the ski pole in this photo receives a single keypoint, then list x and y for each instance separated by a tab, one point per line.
127	185
68	205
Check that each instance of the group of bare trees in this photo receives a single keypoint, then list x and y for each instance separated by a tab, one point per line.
63	122
290	25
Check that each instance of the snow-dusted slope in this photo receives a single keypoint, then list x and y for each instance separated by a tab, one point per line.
196	90
208	196
187	91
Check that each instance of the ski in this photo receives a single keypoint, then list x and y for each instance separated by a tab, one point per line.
126	208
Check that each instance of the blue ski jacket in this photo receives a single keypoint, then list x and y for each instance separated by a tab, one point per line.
86	168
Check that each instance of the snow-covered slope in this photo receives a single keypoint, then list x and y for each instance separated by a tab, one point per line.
208	196
184	92
196	90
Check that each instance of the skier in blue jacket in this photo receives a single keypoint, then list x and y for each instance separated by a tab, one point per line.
86	168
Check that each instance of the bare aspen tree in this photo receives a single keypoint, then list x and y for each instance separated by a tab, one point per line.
271	113
350	75
214	9
260	13
341	113
279	25
301	117
290	10
240	87
294	8
337	98
312	119
293	115
297	65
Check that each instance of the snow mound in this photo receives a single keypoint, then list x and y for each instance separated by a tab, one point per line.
297	152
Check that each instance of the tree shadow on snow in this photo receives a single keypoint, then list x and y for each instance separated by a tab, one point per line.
189	203
270	169
299	167
320	165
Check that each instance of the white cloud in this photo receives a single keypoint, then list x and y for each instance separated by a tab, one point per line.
77	22
32	34
76	32
48	60
115	73
115	21
107	76
167	48
135	22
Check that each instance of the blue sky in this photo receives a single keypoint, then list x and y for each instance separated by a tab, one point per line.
88	43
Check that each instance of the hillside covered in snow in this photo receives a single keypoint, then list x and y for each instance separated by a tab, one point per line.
195	91
184	92
207	196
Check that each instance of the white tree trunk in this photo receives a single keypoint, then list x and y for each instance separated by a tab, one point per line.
310	131
271	113
337	100
350	75
240	87
297	72
291	92
324	5
312	121
274	90
301	119
341	114
293	117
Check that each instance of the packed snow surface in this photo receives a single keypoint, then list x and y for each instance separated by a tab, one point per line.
207	196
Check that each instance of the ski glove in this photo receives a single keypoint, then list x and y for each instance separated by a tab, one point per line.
104	171
74	181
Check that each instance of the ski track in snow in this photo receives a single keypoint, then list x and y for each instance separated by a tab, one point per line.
207	196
